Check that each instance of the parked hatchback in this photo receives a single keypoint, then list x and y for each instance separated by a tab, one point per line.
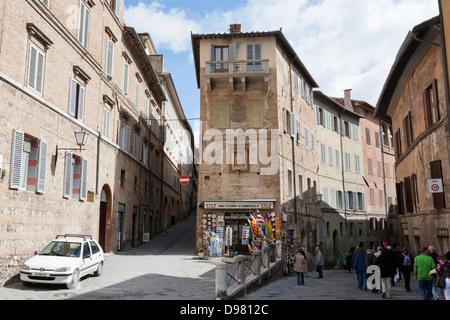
64	261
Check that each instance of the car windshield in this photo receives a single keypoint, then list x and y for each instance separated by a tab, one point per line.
64	249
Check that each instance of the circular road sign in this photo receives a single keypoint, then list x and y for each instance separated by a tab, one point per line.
184	180
435	187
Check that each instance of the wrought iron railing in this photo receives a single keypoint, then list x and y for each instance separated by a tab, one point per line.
238	67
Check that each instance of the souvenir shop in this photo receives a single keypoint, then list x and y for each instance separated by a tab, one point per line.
230	228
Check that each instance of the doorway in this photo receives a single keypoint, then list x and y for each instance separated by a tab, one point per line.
104	229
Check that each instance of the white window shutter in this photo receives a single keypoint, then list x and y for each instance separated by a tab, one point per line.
137	95
68	176
293	120
109	58
73	97
232	51
299	136
106	119
83	182
32	67
86	29
42	167
285	119
16	159
119	133
125	77
117	9
81	95
39	72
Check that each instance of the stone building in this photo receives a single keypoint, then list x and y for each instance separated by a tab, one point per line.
258	136
414	103
66	67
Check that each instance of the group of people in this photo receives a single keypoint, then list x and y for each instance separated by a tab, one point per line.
395	264
300	265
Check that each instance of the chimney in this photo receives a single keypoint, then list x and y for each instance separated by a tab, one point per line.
348	99
235	28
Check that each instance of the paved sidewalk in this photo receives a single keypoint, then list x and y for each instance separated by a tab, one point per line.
336	285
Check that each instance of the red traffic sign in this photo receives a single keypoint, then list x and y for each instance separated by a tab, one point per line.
184	180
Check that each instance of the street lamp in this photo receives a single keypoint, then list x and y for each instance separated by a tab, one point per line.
80	138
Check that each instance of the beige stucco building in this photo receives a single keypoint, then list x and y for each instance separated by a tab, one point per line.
254	82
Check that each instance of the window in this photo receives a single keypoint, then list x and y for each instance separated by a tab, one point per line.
125	77
300	187
76	99
431	104
330	155
36	62
75	177
313	143
137	147
292	127
109	58
299	133
355	131
338	159
347	162
146	109
115	6
221	114
106	120
83	27
370	166
407	126
377	139
255	113
436	173
137	97
296	79
122	178
322	153
398	144
289	183
28	162
254	53
357	168
306	137
379	171
124	136
368	136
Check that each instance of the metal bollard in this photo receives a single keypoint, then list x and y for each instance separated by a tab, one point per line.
266	252
221	280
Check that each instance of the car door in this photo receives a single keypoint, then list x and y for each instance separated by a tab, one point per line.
97	254
87	259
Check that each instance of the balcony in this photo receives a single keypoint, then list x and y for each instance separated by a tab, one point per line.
237	74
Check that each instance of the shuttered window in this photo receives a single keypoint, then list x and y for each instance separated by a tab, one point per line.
106	121
36	62
76	99
109	58
83	27
125	77
28	163
431	104
436	173
408	190
124	136
407	125
75	177
137	97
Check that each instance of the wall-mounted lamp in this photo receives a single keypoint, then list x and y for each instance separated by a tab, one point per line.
80	138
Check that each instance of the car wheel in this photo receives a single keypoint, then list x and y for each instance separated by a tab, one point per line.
75	278
99	271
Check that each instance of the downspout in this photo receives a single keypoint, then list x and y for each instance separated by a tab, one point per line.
293	142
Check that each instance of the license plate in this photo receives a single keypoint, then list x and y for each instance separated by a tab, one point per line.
40	274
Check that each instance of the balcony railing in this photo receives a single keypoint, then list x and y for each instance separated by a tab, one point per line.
245	67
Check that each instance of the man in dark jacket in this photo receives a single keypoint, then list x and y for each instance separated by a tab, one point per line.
386	262
406	263
359	265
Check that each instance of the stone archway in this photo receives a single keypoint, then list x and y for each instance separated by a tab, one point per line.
104	229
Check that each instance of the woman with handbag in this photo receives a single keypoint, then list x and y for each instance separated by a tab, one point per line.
443	270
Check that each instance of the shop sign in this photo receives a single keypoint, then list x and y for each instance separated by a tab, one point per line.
236	216
239	205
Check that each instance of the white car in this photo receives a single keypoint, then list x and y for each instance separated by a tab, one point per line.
64	261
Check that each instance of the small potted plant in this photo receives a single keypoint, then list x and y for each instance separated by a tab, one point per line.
201	252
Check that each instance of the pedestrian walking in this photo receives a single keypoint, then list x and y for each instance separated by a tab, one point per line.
435	290
300	266
406	263
447	254
319	262
443	270
348	260
370	260
339	260
423	264
386	262
379	249
359	265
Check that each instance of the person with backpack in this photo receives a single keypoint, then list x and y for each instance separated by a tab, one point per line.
406	263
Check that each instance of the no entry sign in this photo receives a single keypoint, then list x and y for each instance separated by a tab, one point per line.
184	180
